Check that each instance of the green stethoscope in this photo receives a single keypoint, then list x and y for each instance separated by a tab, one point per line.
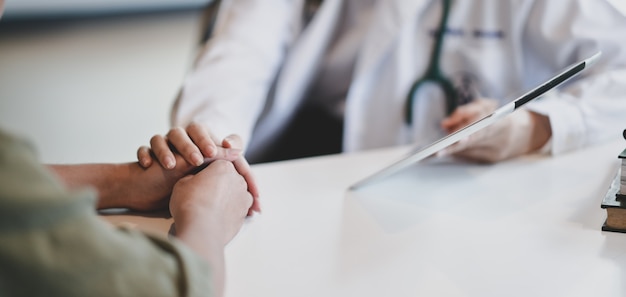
433	72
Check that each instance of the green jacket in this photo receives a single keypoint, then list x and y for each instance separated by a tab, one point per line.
52	242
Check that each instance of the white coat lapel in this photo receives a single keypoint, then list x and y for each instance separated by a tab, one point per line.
386	24
385	29
298	70
301	64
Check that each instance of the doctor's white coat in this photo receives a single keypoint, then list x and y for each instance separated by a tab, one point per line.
261	60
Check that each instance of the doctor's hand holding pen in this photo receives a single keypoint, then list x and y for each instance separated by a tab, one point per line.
517	134
197	146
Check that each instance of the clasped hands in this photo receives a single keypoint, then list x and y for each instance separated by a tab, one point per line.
182	153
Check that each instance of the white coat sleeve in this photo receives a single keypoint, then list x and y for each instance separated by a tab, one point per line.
227	89
591	108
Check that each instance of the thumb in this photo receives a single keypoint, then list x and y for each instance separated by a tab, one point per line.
455	147
233	141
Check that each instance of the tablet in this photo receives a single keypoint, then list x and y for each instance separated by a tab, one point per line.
479	124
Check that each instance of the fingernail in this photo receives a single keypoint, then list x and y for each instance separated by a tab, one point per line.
229	140
169	162
210	151
234	152
197	159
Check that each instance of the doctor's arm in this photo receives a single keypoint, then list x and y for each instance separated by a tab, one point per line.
227	88
587	110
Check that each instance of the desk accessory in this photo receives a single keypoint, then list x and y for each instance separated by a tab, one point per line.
615	199
622	180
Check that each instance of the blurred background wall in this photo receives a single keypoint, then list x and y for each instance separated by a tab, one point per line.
91	81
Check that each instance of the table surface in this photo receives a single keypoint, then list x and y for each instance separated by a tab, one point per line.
526	227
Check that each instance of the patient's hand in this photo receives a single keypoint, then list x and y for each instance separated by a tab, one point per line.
126	185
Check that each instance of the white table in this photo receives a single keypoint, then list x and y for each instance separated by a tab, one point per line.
527	227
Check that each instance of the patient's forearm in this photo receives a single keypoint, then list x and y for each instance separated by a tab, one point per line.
111	181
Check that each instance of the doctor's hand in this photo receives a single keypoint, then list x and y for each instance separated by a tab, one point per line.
519	133
194	143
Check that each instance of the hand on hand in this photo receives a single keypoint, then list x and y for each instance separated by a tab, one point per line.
195	144
517	134
198	146
149	188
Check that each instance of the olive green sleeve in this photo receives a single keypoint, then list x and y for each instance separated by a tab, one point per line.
52	242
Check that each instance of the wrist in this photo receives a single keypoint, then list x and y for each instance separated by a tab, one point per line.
203	235
113	186
541	131
201	239
109	180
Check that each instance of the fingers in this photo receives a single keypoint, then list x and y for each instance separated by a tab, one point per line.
231	149
218	192
162	151
194	143
458	119
234	141
242	166
454	148
227	154
468	113
202	140
463	150
144	157
489	145
181	141
198	146
481	154
223	169
472	147
473	142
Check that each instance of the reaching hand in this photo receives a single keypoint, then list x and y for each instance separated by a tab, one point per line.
517	134
194	143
